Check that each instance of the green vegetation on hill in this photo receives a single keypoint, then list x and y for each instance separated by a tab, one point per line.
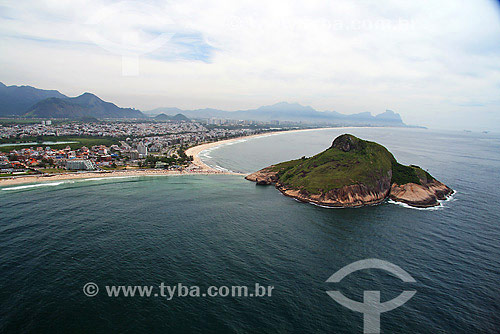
403	174
348	161
409	174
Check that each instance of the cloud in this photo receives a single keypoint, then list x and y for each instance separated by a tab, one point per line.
430	61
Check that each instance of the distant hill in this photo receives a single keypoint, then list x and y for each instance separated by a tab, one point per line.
390	117
163	117
177	117
17	100
293	112
85	105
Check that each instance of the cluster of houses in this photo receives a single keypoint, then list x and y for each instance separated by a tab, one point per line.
99	129
83	158
162	139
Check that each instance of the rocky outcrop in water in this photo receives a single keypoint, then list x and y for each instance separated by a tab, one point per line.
420	195
353	173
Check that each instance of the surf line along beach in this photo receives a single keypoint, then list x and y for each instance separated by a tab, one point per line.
196	150
198	167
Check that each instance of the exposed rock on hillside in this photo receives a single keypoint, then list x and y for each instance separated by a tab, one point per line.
353	173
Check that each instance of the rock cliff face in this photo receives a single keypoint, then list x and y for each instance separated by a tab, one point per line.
264	176
353	173
420	195
354	195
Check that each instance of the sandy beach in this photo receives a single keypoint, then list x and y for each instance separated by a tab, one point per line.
5	182
196	150
198	167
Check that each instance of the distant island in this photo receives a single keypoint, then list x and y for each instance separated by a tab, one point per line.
353	173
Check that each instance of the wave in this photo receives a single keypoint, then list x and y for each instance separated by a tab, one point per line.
205	152
107	178
340	207
322	206
404	205
222	169
31	186
69	181
441	205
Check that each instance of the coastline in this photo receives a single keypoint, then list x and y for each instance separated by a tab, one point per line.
196	150
198	167
94	175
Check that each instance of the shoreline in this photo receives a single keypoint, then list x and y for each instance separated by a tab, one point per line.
196	150
198	167
95	175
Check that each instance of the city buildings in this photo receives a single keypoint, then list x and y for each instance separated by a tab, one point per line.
132	142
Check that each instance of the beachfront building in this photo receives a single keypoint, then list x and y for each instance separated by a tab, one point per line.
80	164
143	150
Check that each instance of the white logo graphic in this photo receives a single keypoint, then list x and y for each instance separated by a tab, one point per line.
371	307
90	289
127	19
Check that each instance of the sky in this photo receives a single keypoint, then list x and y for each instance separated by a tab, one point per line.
437	63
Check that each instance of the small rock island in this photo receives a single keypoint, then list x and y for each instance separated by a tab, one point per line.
353	173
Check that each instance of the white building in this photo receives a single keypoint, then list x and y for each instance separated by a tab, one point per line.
80	164
142	149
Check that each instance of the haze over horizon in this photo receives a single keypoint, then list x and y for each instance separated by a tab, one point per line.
436	64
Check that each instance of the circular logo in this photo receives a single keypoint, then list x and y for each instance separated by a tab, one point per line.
90	289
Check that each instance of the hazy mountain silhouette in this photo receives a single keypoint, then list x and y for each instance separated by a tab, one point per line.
16	100
294	112
85	105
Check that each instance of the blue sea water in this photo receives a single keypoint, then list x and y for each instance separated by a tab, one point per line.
222	230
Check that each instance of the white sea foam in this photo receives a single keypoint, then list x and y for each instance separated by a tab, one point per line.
70	181
107	178
222	169
441	205
31	186
205	153
450	198
322	206
404	205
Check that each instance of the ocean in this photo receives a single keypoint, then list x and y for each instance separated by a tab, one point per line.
221	230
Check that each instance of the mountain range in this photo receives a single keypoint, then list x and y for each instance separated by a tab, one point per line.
293	112
16	100
85	105
27	101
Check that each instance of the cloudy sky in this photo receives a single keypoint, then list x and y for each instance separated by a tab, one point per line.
437	63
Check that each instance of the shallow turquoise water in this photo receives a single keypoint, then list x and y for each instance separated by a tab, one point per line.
223	230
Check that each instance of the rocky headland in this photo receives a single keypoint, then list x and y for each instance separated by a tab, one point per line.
352	173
